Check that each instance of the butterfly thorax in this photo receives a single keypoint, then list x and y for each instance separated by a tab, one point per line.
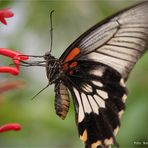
53	68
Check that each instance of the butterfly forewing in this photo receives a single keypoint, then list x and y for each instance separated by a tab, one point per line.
118	41
96	66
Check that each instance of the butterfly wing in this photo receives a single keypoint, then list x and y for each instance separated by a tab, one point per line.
96	66
118	41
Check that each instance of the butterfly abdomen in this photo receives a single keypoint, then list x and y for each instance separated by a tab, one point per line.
61	100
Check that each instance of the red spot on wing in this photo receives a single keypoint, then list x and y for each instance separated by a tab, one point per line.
73	64
73	53
70	72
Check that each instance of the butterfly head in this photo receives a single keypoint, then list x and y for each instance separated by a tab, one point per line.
48	56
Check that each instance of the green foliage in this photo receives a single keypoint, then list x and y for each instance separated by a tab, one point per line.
5	3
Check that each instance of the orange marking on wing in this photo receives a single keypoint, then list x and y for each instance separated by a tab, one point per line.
72	54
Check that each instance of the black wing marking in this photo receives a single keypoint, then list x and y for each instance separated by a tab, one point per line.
99	94
118	41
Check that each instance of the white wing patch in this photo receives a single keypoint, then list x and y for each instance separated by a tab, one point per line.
81	114
98	71
87	88
95	107
102	93
122	83
88	103
99	101
124	98
97	83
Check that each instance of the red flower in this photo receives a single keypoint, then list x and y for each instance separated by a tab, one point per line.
9	127
8	69
16	57
5	13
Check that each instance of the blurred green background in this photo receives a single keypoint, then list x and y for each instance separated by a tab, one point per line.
28	32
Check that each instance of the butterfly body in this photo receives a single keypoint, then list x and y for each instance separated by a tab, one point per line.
56	74
62	101
94	68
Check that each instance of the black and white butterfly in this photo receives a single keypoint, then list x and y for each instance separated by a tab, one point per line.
94	68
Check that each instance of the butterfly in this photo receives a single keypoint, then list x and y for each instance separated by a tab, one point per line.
94	69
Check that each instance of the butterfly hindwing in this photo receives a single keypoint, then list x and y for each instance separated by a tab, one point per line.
99	94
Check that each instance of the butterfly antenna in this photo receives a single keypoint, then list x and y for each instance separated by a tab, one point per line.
51	30
40	91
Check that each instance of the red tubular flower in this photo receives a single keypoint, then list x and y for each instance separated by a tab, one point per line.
16	57
12	54
5	13
10	127
8	69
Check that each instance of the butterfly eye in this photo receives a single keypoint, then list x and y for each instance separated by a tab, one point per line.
47	55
